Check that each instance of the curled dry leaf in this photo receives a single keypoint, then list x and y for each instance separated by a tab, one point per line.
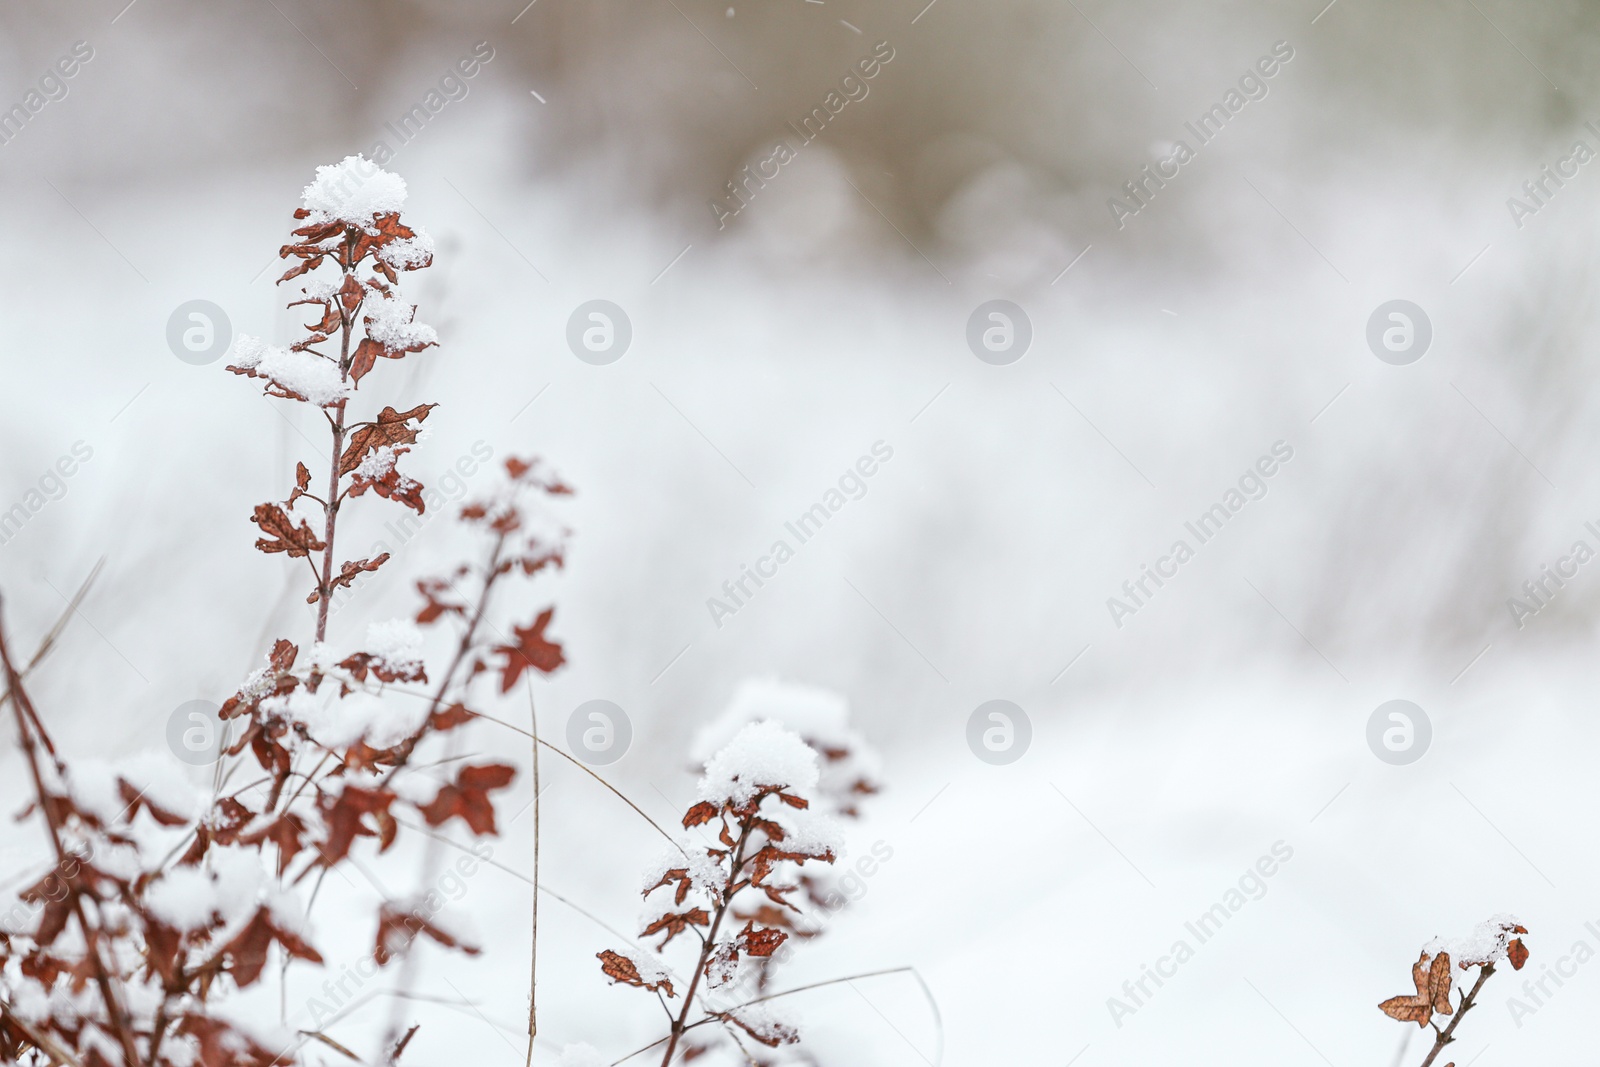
1433	992
622	970
674	923
348	573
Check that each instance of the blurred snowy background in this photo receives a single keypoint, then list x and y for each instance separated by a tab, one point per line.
1171	349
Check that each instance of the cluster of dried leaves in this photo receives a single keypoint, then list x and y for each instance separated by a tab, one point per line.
840	796
751	847
110	973
1432	978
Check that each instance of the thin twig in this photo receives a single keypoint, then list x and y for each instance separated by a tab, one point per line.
25	713
49	642
580	765
1444	1037
729	889
318	1035
513	872
44	1042
533	940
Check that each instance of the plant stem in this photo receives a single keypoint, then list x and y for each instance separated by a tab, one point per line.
533	948
330	507
1444	1037
737	862
464	646
22	706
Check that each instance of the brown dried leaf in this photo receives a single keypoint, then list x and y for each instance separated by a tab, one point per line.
530	651
760	942
620	968
397	929
674	923
390	428
1433	990
468	798
349	571
700	814
282	535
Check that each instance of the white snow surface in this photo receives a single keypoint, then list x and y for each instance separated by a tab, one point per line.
761	753
820	716
353	191
1486	944
305	373
705	874
581	1054
389	322
338	721
408	253
155	777
397	643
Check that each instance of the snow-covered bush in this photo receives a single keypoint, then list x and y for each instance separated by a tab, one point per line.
160	903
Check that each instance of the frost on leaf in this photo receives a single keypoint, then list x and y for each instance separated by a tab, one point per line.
760	942
635	969
390	428
758	1021
393	653
1489	942
379	473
